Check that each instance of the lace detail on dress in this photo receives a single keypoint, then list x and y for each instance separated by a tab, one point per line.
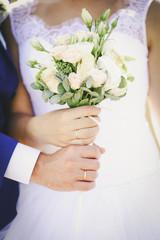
26	25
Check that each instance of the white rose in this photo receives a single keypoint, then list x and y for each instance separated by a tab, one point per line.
58	51
113	71
75	80
63	40
99	77
48	76
48	61
86	64
72	54
85	48
118	91
111	50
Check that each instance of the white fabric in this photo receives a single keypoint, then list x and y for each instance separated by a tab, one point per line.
125	203
22	163
2	40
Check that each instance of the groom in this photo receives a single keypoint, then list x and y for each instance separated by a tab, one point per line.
22	163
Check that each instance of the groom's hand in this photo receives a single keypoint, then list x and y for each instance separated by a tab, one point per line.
73	168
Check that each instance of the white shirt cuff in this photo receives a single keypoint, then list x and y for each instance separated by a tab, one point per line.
22	163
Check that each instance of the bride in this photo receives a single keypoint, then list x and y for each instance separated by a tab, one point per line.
125	205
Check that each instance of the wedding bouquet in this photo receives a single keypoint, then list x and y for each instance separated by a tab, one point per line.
85	68
3	10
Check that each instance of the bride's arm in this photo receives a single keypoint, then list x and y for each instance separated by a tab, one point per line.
153	36
57	127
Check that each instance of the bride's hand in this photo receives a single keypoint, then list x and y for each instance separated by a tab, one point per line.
65	127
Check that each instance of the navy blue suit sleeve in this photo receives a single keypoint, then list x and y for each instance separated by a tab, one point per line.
7	146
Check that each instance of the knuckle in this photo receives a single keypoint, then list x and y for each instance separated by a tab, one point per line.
70	149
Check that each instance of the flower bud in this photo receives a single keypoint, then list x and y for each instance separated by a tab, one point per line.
105	15
87	18
114	24
101	29
37	45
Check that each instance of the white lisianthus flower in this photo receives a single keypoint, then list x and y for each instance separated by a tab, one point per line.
63	40
72	54
86	35
48	76
111	50
75	80
58	51
88	62
118	91
99	77
113	71
81	35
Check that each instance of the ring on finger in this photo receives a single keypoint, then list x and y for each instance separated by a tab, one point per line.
76	132
85	175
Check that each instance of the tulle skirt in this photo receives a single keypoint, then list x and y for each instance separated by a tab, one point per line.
129	211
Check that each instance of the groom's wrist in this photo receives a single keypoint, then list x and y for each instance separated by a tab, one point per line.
22	163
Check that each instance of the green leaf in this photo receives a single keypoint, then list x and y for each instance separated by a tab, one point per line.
46	94
55	99
97	100
124	67
89	82
78	94
32	63
61	89
130	78
43	84
66	96
84	102
123	82
70	103
66	85
112	97
94	94
36	86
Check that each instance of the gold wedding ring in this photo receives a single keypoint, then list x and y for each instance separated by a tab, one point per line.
76	132
85	175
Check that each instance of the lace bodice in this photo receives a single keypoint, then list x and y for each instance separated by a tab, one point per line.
25	24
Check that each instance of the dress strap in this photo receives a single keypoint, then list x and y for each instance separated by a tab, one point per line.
20	12
141	7
134	20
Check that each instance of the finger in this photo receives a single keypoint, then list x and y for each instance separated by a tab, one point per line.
88	175
87	132
82	142
83	186
89	164
102	150
88	151
85	111
85	122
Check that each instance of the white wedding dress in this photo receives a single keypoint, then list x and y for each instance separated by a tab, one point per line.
125	205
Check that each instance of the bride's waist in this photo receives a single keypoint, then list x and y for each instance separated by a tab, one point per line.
131	153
